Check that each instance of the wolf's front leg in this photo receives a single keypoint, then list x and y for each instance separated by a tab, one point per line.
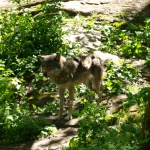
70	102
61	105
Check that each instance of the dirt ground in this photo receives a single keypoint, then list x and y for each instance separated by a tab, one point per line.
68	129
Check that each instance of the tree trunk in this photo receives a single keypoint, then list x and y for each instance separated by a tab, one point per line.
145	132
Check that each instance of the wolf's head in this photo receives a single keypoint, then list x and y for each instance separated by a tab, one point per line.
51	63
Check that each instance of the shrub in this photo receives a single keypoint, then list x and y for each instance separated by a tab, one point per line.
95	134
115	76
24	35
127	40
16	121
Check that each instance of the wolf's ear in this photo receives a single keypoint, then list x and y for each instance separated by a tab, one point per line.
57	58
41	57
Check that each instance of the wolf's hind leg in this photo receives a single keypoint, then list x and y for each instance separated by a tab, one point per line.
98	88
70	102
90	85
97	83
61	97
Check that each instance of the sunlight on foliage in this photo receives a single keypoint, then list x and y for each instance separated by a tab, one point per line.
94	133
23	36
117	76
131	42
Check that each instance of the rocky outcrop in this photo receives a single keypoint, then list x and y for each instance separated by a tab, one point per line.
87	7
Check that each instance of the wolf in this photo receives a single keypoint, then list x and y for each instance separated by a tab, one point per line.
68	72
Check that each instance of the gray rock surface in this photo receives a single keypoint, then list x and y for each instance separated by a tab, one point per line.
87	7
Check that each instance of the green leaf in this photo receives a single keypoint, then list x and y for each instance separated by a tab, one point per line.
34	106
10	117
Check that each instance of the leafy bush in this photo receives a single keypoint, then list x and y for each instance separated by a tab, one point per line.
130	41
50	108
95	134
117	75
11	88
19	125
16	121
25	35
141	98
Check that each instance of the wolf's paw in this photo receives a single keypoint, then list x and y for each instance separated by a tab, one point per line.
68	117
